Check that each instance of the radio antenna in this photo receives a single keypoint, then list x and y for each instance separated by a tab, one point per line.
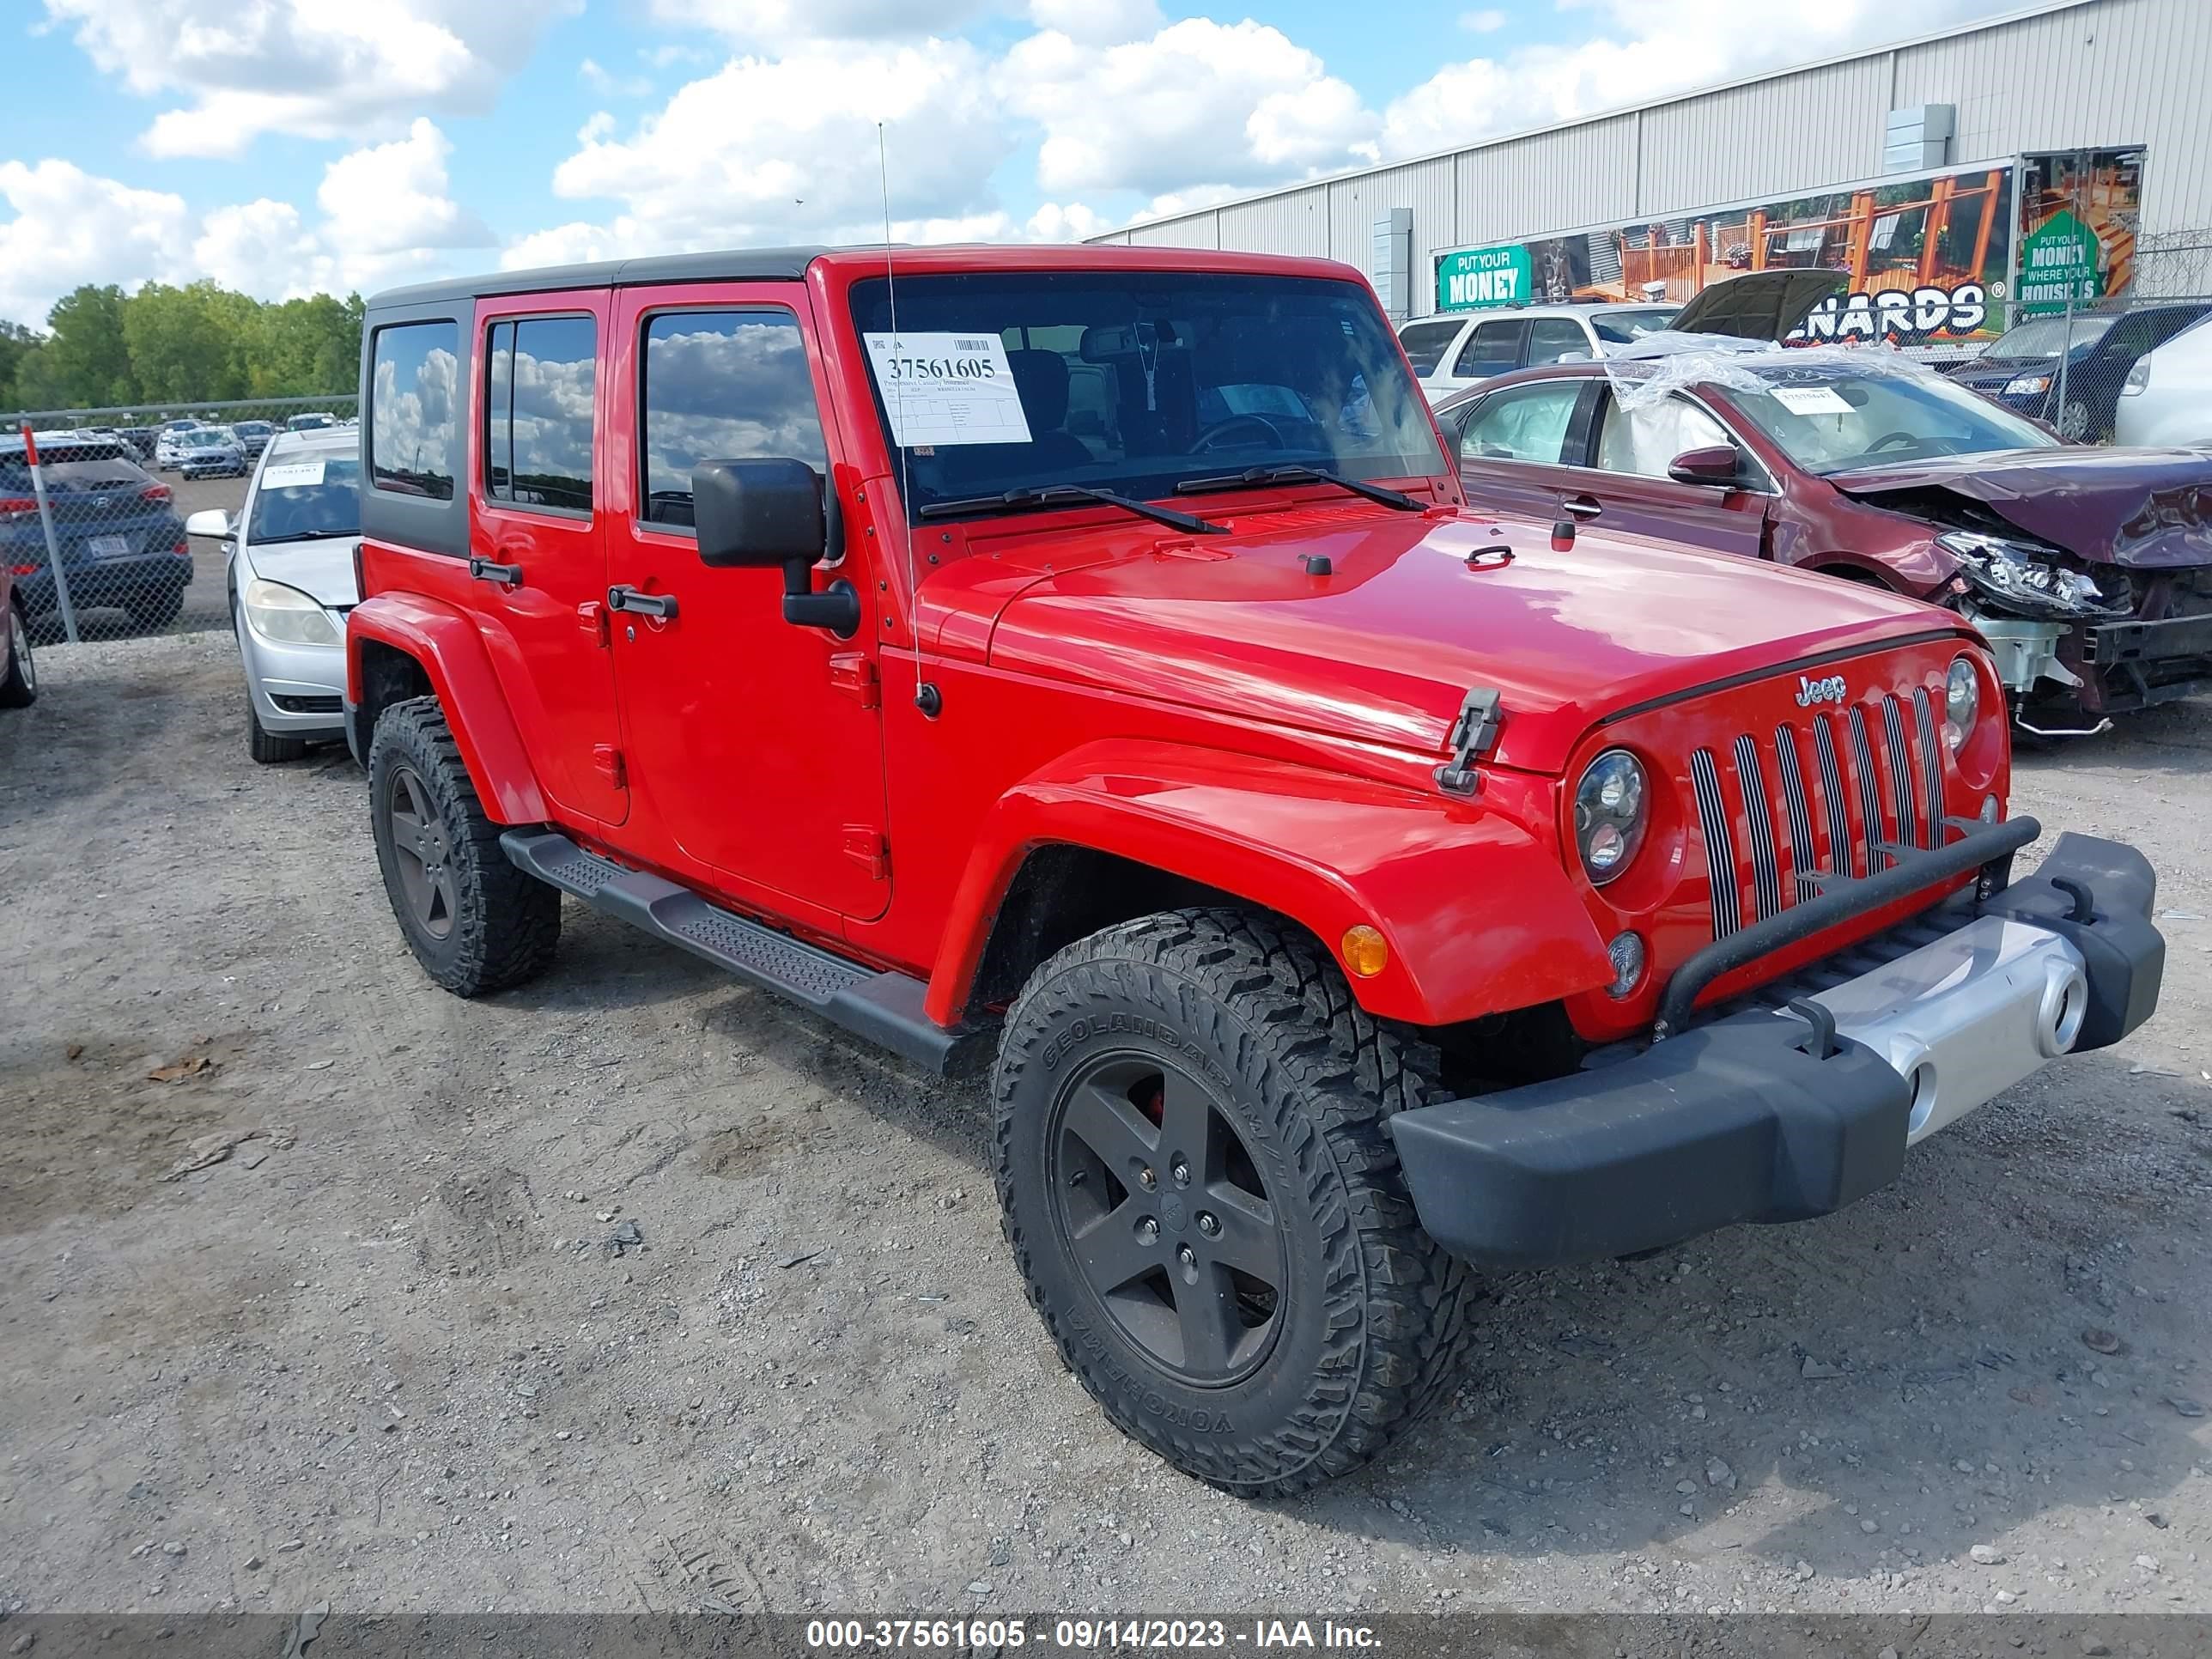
925	696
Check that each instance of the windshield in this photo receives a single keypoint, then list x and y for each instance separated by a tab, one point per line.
2042	339
205	437
307	496
1828	422
1619	327
1134	381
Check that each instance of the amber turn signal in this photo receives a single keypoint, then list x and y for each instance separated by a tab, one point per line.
1364	952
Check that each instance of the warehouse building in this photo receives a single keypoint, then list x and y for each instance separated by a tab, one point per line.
2058	156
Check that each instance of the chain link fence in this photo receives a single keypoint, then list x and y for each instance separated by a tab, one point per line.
94	504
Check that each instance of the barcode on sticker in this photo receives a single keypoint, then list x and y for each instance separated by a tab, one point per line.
972	345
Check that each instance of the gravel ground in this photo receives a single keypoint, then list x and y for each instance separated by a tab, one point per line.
384	1356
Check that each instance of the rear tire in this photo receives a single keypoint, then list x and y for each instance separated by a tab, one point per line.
1266	1313
475	922
19	686
267	747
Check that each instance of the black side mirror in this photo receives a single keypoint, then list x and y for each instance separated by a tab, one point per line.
766	510
1713	465
771	510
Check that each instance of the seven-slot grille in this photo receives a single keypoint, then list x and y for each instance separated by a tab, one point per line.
1854	788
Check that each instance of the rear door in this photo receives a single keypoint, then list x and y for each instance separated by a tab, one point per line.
537	553
756	746
1626	486
1514	445
1489	350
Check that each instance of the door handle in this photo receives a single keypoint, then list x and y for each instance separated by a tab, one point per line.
507	575
628	598
1582	506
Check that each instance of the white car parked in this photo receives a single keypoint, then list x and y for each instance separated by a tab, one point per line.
2166	399
1461	348
170	447
291	582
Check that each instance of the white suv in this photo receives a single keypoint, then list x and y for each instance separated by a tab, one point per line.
1459	348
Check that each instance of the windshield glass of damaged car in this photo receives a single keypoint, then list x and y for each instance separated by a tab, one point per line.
1134	381
1836	422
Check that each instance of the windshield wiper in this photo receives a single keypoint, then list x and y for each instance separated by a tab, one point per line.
301	535
1067	495
1283	475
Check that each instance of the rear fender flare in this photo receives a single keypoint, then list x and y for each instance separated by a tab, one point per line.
1478	914
446	643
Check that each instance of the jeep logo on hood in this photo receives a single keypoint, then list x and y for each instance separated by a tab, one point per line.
1811	691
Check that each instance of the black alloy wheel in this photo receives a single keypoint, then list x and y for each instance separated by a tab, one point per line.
1169	1218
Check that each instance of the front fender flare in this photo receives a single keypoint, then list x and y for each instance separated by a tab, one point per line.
446	643
1477	912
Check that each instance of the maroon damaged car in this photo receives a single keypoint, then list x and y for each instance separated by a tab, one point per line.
2089	570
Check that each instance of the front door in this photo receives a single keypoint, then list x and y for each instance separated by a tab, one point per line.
1515	445
1630	486
539	558
754	747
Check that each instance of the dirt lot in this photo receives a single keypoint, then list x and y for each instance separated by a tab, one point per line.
383	1356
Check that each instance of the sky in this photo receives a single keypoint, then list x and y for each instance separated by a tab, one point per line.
287	147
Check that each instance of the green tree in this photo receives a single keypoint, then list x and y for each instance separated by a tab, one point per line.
87	362
305	346
16	343
188	342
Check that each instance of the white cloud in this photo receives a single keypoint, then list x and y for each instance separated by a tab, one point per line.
317	69
820	20
1100	22
608	84
386	217
1639	51
1068	221
1229	104
782	150
1488	21
390	198
70	227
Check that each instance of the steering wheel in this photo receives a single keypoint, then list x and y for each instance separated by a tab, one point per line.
1887	438
1270	433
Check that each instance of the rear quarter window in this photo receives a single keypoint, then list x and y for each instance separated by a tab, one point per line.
415	396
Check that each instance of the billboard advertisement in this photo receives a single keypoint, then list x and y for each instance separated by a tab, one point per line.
1927	257
2079	213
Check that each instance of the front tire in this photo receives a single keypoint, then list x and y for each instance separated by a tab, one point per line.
475	922
1198	1189
269	748
19	686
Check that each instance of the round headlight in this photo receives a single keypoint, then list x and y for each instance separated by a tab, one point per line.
1610	811
1962	703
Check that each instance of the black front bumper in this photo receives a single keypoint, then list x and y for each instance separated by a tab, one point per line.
1745	1118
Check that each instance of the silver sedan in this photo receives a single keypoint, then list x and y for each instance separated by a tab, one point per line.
291	580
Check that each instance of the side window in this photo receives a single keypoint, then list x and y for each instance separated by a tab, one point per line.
1646	440
537	412
1555	339
1425	344
414	439
1493	348
722	385
1527	423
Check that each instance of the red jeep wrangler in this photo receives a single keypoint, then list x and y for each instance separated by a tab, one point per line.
1087	650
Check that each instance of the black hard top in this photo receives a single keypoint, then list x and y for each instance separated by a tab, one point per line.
760	265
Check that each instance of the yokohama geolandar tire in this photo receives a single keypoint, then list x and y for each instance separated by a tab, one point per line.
1197	1186
475	922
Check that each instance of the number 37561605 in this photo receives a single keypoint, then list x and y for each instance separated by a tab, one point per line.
941	368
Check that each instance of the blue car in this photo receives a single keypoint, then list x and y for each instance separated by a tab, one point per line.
123	545
2020	369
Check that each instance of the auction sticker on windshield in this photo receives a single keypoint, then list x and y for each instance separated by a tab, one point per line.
295	475
948	389
1810	399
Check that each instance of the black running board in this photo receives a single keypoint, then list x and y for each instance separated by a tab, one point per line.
885	1008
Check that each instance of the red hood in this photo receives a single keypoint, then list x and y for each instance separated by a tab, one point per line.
2147	508
1384	647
